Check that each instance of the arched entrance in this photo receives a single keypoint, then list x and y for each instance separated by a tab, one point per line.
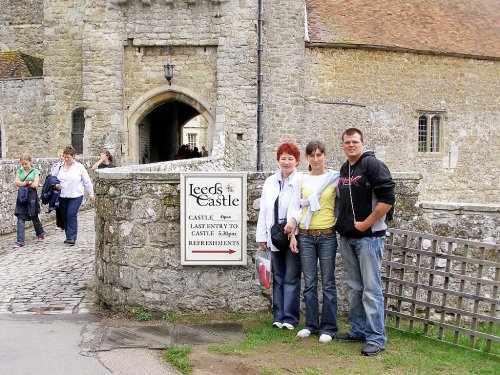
158	123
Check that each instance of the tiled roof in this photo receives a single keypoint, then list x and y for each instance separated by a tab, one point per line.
461	27
15	64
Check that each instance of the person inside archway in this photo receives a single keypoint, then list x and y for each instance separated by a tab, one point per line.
195	153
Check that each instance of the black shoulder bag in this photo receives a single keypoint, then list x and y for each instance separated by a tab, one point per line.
279	238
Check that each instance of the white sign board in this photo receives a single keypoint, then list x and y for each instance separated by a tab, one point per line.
213	218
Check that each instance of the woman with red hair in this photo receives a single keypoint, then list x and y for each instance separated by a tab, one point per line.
285	186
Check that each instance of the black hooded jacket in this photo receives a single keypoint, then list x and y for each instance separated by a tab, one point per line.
371	182
50	195
31	207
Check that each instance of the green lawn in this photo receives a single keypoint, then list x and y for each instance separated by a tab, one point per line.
275	351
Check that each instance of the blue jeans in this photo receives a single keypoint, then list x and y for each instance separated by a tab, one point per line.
21	225
362	259
286	286
69	210
324	248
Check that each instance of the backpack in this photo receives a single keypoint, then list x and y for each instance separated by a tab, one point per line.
389	216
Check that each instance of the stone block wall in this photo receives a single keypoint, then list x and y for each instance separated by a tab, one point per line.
62	69
195	69
104	55
138	252
479	222
212	44
138	244
21	26
345	88
21	117
284	116
8	168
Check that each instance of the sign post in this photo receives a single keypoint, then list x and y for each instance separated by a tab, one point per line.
213	218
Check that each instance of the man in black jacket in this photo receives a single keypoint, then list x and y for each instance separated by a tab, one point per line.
366	194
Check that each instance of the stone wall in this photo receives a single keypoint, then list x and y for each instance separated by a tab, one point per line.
195	69
138	251
212	44
21	26
8	197
104	56
138	244
284	116
479	222
62	69
21	117
345	88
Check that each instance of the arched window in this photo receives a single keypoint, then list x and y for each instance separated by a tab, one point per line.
429	133
77	129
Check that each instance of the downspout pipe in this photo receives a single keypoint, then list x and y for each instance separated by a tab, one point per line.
260	78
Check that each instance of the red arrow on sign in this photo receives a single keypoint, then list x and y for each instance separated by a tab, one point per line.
229	251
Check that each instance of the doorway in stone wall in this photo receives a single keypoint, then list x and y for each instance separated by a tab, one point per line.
168	125
172	131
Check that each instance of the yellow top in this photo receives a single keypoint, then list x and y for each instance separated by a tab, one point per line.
324	218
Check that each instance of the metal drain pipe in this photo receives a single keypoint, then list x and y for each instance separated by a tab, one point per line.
260	78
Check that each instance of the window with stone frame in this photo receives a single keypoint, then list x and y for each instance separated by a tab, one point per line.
429	132
77	129
192	140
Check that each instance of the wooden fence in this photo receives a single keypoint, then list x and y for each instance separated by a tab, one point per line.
444	288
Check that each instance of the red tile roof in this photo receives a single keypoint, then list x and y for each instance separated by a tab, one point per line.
460	27
15	64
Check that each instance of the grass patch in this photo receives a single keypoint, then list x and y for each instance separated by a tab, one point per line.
275	351
448	336
142	315
214	318
405	353
177	356
167	317
258	333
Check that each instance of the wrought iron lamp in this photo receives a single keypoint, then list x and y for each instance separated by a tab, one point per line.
169	72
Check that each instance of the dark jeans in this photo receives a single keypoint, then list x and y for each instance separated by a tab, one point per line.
324	249
286	286
59	219
21	225
69	210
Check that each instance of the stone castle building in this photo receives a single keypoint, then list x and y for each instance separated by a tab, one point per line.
420	78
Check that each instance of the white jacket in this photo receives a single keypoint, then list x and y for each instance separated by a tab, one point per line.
74	181
270	192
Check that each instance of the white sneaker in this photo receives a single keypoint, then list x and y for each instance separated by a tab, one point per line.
288	326
324	338
304	333
277	325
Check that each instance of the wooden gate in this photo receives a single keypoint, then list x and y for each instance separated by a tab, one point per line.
442	287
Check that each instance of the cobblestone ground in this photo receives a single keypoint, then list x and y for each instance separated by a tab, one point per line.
48	277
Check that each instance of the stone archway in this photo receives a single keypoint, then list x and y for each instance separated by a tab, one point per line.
177	105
